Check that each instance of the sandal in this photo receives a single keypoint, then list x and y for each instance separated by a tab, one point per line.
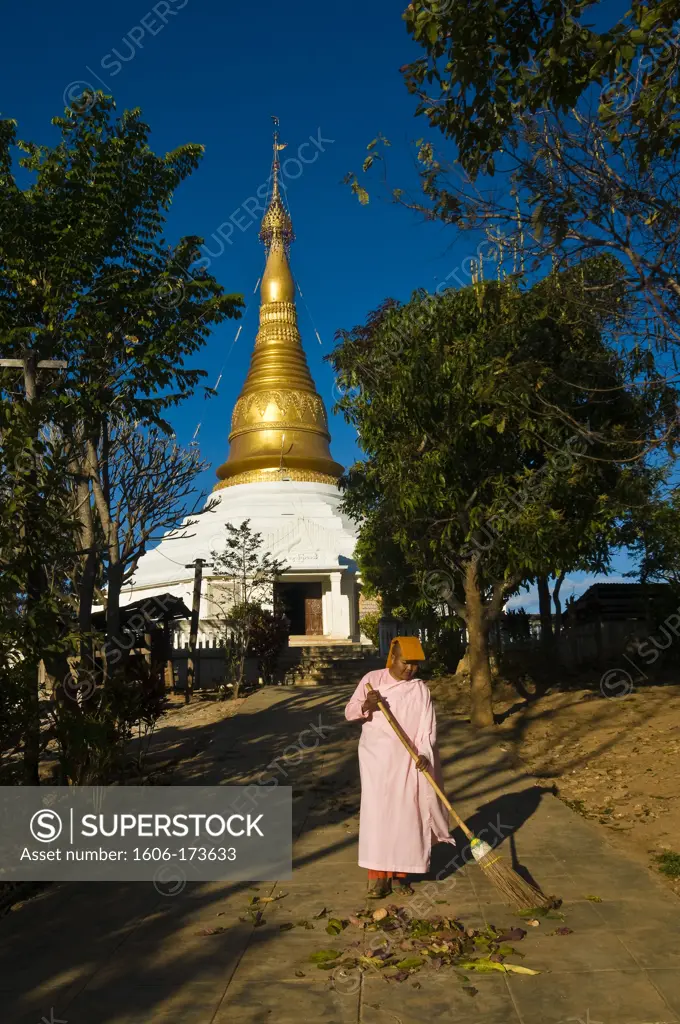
404	888
381	888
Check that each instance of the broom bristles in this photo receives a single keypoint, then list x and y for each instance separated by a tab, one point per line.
513	888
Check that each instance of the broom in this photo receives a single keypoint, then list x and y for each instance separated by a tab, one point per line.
516	892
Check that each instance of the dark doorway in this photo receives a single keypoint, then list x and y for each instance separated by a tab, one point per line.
301	602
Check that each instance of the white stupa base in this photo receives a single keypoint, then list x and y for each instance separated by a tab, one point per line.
301	524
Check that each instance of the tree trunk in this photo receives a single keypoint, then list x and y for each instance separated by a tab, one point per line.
545	612
31	771
558	603
116	652
481	707
86	588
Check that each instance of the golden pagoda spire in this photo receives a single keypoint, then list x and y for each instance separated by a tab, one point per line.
279	428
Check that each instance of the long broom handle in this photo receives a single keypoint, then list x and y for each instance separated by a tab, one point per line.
398	730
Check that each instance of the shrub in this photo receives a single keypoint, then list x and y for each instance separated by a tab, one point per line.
444	646
254	632
369	625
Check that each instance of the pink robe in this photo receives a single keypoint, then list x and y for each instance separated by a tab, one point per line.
401	816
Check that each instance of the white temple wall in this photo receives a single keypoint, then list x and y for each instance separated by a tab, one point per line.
349	593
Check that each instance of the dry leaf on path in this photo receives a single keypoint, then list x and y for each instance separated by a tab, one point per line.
512	935
335	926
323	956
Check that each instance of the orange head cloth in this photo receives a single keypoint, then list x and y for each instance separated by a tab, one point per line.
410	647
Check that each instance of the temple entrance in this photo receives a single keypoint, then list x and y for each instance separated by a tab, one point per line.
301	602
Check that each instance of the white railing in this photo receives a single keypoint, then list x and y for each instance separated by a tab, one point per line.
207	639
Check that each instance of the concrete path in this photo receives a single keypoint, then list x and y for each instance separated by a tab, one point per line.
127	954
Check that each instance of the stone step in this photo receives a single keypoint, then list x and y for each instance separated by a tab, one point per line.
338	673
329	663
315	667
326	655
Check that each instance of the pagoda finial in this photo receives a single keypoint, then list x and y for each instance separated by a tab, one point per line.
279	428
277	227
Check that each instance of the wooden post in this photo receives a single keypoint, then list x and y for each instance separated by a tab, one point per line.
169	673
197	566
148	643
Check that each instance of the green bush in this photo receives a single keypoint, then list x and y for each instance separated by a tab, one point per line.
269	637
92	735
444	646
369	625
515	626
254	632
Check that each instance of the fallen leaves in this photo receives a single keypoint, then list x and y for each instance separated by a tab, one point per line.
531	916
256	906
410	963
335	926
323	956
429	943
512	935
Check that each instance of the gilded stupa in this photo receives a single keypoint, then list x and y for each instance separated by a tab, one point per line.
279	476
279	427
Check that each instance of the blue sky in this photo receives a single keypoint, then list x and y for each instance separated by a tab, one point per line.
214	73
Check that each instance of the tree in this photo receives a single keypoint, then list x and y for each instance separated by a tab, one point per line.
654	536
379	555
262	632
150	483
87	277
504	439
565	139
248	575
36	529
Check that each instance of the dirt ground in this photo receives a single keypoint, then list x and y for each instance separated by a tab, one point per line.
182	733
614	760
